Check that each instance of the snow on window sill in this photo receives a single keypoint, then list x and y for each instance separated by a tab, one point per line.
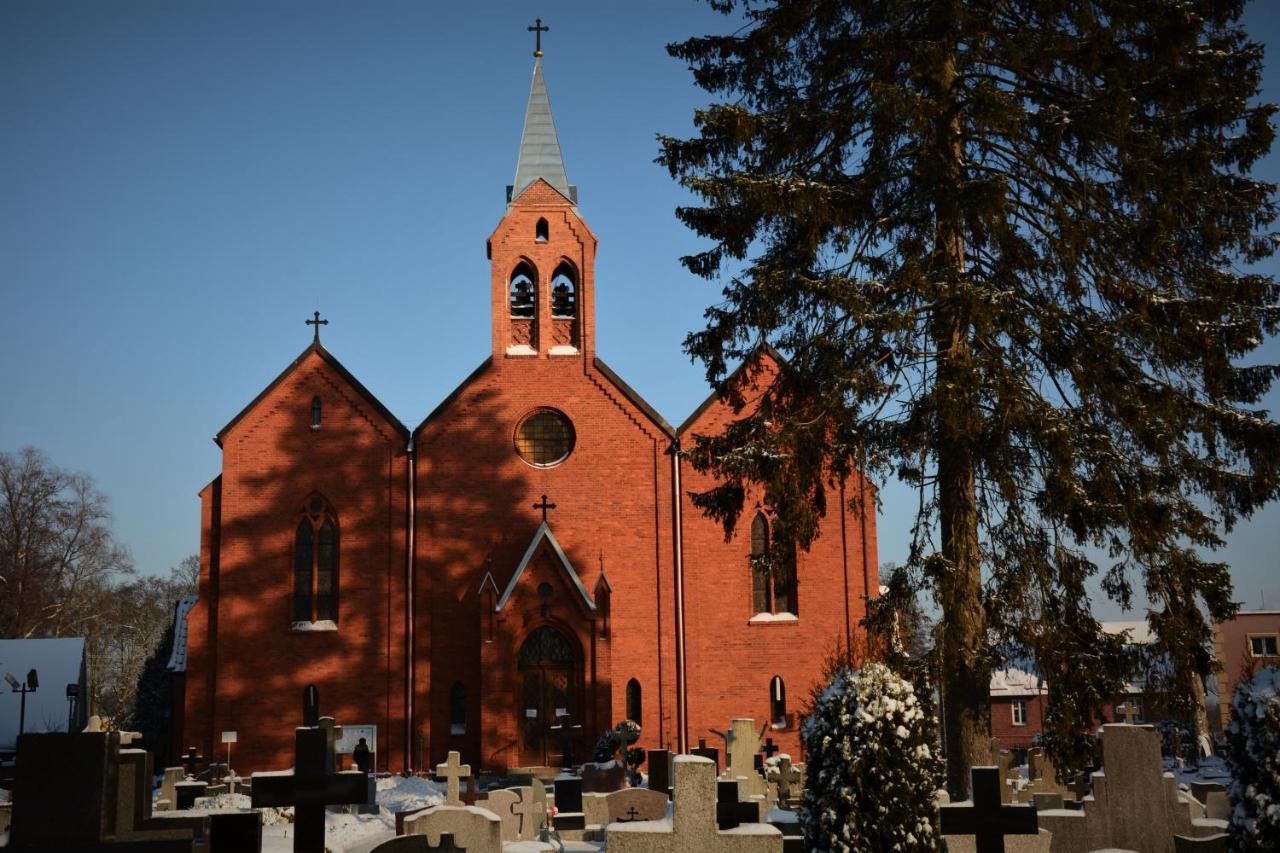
307	627
457	729
521	349
772	618
562	349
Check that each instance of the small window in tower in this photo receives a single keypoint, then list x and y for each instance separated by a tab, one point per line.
522	291
315	413
544	438
634	711
542	231
564	293
778	703
458	709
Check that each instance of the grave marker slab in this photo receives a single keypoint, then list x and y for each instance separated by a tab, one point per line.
985	817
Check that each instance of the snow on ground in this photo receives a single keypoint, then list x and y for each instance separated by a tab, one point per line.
342	831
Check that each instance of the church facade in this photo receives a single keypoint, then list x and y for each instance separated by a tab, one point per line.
528	551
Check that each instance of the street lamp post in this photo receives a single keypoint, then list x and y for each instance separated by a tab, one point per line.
28	686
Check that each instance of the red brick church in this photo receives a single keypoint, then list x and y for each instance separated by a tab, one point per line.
529	549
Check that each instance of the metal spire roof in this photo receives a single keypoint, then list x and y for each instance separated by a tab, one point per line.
539	146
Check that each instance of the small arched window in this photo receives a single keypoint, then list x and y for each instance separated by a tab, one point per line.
457	709
778	702
564	292
315	412
315	563
541	231
635	712
523	291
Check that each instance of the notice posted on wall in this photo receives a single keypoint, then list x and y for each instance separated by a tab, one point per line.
351	736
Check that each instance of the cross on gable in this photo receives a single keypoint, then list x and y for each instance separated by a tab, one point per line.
317	322
313	784
984	817
544	506
453	770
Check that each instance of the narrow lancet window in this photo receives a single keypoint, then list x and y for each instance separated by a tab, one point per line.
635	711
523	292
542	231
315	564
458	709
778	702
315	412
564	292
760	587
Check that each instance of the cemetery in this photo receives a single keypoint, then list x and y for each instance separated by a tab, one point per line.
94	790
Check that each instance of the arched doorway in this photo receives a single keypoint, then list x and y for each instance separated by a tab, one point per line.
548	679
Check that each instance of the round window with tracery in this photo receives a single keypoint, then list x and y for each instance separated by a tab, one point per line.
544	438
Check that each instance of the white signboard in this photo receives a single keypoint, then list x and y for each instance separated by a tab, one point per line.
228	737
351	736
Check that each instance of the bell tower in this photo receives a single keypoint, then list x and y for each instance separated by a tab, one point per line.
542	253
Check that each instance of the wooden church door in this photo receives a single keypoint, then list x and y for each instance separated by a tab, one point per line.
546	678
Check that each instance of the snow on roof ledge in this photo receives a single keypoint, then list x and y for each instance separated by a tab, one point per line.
178	658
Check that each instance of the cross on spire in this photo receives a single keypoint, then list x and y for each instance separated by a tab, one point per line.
317	322
544	506
537	29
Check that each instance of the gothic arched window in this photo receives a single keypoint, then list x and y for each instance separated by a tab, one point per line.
541	231
773	570
458	709
315	563
564	292
523	291
634	709
315	412
777	702
760	598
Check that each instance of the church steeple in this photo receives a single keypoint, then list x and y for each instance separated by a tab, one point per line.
540	155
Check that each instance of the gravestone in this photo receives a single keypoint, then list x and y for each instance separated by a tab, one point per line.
707	752
567	731
471	828
1217	806
1217	843
313	783
1042	776
191	760
984	816
569	817
109	793
452	771
604	778
787	778
660	770
635	804
168	796
692	826
743	746
731	811
503	802
186	793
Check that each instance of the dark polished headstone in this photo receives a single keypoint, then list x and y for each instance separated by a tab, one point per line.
235	832
187	792
660	770
730	812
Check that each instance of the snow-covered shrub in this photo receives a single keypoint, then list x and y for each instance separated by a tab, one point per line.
1253	748
872	766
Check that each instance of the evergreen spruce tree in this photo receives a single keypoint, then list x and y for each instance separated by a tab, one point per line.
1003	246
1253	738
872	766
150	714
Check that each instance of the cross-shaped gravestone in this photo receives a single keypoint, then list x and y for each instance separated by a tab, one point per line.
190	759
453	770
531	810
769	748
313	784
567	730
784	776
984	817
1129	712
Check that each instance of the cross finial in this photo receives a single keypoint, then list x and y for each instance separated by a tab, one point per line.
537	29
544	506
317	322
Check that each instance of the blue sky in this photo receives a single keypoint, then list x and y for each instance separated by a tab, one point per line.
181	184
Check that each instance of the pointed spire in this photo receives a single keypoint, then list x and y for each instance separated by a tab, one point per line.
539	146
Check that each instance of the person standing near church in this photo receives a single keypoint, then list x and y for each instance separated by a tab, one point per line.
362	756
